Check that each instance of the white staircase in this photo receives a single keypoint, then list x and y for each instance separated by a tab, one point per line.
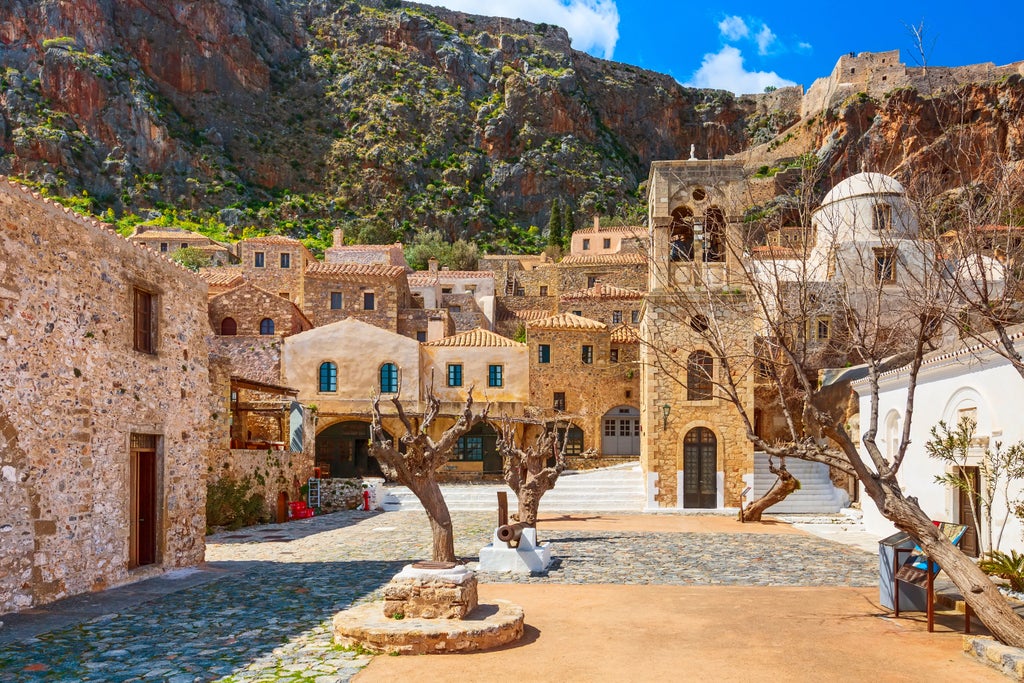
613	489
817	494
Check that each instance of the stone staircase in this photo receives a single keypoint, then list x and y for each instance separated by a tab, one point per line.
613	489
816	494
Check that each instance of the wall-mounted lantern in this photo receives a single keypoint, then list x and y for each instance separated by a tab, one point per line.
665	410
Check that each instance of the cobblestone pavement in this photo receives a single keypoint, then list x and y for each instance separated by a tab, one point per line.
266	618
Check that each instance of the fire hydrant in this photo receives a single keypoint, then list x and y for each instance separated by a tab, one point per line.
366	499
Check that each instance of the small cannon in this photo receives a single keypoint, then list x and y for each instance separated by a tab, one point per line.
511	533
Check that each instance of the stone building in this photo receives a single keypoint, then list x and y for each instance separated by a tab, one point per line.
577	380
372	293
104	419
167	241
694	451
609	304
249	310
277	264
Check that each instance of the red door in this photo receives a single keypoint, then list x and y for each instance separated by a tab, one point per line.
142	545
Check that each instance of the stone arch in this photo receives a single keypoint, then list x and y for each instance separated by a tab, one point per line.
680	234
966	398
714	235
343	449
228	327
892	433
700	468
620	431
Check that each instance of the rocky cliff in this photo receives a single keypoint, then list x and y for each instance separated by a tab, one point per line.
298	115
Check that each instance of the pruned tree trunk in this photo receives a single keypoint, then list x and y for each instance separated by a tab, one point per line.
784	485
415	459
526	471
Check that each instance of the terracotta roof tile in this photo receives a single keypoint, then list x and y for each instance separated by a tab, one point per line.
603	291
184	235
354	270
525	314
631	258
477	337
626	334
464	274
221	277
567	321
422	278
629	229
274	239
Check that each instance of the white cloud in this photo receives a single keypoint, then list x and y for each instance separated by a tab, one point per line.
724	70
733	28
593	25
764	38
804	47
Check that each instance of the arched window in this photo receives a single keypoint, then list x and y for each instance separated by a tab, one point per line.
328	376
267	326
681	234
714	235
699	368
389	378
228	327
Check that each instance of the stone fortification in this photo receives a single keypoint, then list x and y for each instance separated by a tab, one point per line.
877	73
104	383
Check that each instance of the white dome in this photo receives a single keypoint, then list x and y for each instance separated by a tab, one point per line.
863	184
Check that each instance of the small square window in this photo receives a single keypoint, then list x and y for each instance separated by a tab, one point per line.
285	295
163	247
144	321
579	313
455	309
258	259
368	302
495	376
336	301
586	245
885	266
634	316
455	375
588	354
184	245
613	355
607	243
543	353
421	336
616	316
543	290
286	260
559	402
591	281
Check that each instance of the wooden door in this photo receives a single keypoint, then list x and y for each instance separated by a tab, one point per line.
700	469
143	504
969	543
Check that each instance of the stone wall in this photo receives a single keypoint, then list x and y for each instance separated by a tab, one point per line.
604	309
271	472
467	315
389	297
287	282
257	358
249	305
73	391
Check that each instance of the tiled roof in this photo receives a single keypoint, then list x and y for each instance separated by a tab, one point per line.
477	337
464	274
567	321
366	247
352	271
603	291
632	258
211	247
628	229
422	278
525	314
181	235
221	277
774	251
626	334
274	239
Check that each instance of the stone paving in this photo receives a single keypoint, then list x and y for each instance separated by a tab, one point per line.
266	616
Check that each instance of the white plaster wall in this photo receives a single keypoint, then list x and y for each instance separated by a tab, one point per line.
994	388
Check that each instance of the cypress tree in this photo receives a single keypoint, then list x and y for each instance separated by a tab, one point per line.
555	224
568	224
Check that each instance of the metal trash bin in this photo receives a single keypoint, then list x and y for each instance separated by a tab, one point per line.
913	598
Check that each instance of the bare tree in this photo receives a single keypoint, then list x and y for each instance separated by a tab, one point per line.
881	299
415	458
526	470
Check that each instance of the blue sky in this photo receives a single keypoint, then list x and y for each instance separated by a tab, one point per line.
745	46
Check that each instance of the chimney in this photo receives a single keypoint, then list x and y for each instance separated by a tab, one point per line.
597	222
339	237
432	264
435	327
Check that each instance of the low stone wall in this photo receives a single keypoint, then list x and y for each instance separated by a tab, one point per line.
271	472
341	494
582	462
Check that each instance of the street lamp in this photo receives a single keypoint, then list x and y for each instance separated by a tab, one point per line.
665	410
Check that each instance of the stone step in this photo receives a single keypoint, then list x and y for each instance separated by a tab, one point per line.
817	494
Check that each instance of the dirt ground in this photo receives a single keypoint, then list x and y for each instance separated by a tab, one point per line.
606	632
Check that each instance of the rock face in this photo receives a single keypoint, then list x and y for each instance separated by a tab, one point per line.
393	116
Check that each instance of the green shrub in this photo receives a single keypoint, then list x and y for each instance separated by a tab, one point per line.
1009	566
233	504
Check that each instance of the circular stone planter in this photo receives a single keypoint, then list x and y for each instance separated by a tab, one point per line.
485	627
